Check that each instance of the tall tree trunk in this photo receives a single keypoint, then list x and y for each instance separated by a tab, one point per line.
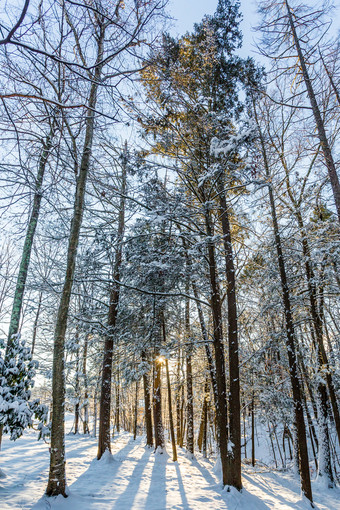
190	407
206	344
147	406
27	249
234	451
190	403
117	410
104	437
323	364
135	412
157	405
290	342
35	325
325	466
202	436
253	430
333	177
86	429
171	418
57	477
77	388
216	307
95	398
179	403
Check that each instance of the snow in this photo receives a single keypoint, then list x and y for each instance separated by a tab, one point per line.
133	477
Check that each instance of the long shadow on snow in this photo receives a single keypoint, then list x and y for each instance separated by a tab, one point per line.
249	498
157	490
181	486
271	491
104	471
107	468
127	497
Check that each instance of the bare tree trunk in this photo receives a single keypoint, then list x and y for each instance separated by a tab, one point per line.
202	436
253	430
206	344
308	386
323	365
290	343
171	419
216	307
86	394
94	432
234	451
77	389
157	405
117	411
26	252
245	433
178	402
135	412
147	406
317	116
57	479
190	406
35	325
104	438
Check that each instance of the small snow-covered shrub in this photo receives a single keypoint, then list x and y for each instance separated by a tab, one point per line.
17	371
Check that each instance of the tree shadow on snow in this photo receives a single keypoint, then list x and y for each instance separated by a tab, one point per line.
273	491
126	499
181	486
157	490
239	498
104	472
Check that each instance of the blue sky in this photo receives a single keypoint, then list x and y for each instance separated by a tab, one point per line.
189	12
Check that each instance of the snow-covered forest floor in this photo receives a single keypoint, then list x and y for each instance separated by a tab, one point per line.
135	478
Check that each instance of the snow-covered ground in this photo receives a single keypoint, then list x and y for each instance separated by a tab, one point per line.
135	478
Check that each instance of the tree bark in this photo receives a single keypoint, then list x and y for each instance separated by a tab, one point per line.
202	436
216	307
77	389
27	249
188	363
179	403
205	337
86	428
253	430
35	325
147	406
234	450
171	419
135	410
290	342
57	477
104	437
157	405
117	411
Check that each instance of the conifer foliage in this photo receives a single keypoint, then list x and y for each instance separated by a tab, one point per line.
17	372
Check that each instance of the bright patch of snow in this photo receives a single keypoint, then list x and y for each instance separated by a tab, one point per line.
135	478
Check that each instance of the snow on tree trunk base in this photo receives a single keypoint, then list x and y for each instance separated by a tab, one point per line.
190	456
161	454
106	458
